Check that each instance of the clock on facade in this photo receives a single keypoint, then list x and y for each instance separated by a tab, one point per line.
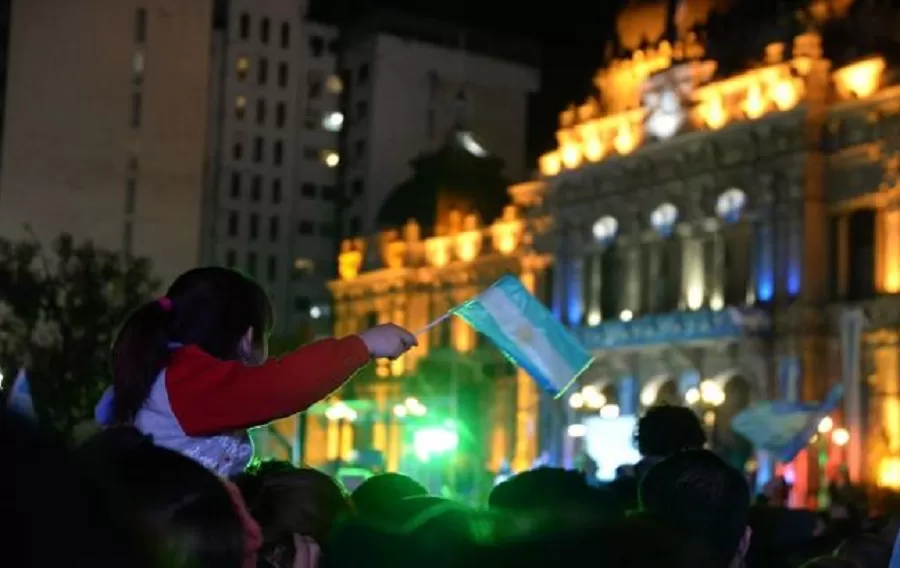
665	113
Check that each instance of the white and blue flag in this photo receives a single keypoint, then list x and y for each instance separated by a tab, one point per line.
527	333
19	399
784	428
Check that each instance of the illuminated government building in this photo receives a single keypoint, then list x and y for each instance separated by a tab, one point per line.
715	222
466	235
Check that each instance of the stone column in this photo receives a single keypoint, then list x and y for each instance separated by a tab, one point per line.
692	277
888	259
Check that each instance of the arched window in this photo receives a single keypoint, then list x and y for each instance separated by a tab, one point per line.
731	204
605	229
663	219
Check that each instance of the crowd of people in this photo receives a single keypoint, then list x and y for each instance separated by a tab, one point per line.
168	482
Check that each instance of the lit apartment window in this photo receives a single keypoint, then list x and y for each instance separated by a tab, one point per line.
278	152
242	67
272	268
285	35
331	158
235	185
140	25
262	72
258	150
233	224
260	111
276	191
334	85
274	229
251	263
245	26
253	232
264	30
137	68
333	121
256	189
280	115
240	106
136	104
230	258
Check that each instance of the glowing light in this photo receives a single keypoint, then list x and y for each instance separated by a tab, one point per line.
472	146
594	318
889	472
754	105
730	204
605	228
711	393
333	121
576	401
334	85
626	315
666	116
315	312
692	396
400	411
593	398
860	79
576	430
785	94
713	113
840	437
550	164
648	396
609	411
331	159
663	218
825	425
625	140
434	441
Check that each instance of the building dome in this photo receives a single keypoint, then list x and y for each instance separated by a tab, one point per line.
453	178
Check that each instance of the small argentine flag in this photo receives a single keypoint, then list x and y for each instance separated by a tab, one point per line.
19	399
785	428
527	333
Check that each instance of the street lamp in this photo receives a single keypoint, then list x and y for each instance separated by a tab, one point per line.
410	407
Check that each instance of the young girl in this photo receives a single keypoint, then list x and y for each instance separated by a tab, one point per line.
191	370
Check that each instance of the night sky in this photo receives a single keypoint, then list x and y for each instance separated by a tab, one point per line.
571	34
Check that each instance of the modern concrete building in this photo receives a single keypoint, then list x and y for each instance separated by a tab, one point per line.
106	132
410	82
209	132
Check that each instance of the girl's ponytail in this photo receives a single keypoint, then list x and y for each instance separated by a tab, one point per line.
139	352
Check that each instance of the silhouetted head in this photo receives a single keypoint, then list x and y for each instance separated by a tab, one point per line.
217	309
377	497
665	430
178	504
697	494
551	490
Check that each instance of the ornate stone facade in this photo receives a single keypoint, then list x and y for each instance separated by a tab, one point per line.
404	278
727	241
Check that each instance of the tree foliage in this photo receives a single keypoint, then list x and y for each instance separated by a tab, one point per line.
59	309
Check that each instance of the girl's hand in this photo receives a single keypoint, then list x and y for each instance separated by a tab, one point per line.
388	341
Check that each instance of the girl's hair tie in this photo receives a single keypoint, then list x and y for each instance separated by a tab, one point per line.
165	302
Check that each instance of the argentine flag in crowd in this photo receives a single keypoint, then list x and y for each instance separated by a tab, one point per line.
785	428
19	399
527	333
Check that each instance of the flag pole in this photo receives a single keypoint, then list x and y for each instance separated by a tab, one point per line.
432	324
